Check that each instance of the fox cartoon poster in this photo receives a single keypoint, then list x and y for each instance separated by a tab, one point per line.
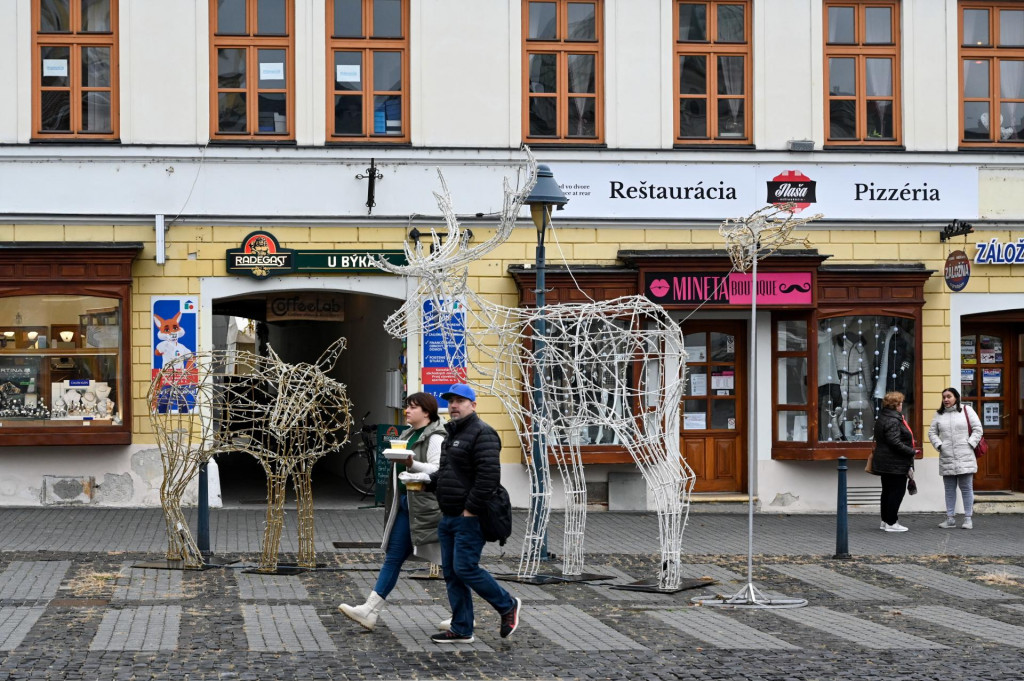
174	334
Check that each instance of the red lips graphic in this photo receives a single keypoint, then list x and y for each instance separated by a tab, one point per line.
659	288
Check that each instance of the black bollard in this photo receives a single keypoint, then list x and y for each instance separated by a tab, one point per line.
203	513
842	523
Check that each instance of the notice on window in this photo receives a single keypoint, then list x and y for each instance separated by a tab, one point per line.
991	382
723	381
347	73
698	384
695	420
696	353
966	376
272	70
991	414
55	68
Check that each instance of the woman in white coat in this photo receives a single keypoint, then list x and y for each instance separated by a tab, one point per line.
949	433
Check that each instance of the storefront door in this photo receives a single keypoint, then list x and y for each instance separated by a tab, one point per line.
992	381
714	413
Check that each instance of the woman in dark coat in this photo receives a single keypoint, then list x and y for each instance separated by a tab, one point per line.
893	458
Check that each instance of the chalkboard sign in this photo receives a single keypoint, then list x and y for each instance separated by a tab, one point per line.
385	434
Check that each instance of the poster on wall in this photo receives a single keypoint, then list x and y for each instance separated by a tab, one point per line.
444	347
174	333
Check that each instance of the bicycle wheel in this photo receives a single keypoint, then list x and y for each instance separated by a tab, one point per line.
359	473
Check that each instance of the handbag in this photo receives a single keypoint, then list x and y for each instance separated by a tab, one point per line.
911	483
980	449
496	521
867	465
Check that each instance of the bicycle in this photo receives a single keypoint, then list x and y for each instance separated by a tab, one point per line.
360	465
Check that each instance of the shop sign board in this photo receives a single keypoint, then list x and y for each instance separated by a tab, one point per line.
718	191
174	334
957	271
262	256
322	307
444	346
996	252
732	288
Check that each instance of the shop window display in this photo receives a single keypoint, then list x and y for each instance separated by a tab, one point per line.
860	359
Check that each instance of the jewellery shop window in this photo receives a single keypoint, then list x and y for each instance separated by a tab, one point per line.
60	368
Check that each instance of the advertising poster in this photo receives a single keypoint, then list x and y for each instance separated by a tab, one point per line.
173	334
444	347
991	414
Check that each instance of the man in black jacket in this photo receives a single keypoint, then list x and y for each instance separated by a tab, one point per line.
469	473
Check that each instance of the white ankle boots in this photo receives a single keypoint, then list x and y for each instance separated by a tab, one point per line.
365	614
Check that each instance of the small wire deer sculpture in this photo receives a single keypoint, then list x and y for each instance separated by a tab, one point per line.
285	415
610	372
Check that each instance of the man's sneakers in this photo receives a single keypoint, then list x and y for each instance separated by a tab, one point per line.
510	620
449	637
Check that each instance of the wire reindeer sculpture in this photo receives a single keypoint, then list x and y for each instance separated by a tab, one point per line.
285	415
609	372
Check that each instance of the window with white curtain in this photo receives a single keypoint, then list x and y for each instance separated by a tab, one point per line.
992	73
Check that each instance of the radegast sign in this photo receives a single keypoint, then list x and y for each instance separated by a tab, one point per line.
261	256
716	191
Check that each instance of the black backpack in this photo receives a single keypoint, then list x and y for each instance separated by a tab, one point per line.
496	523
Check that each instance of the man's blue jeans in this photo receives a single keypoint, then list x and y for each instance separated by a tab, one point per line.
399	548
461	545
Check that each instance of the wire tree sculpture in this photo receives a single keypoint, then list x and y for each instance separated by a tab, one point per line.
611	372
285	415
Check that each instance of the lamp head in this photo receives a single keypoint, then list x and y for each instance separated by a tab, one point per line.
545	194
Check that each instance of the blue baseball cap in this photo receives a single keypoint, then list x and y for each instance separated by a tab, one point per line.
460	390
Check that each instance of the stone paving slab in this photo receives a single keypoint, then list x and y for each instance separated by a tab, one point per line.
573	629
933	579
253	586
405	590
1000	569
855	629
285	628
838	584
148	584
15	623
719	630
32	580
147	627
413	625
985	628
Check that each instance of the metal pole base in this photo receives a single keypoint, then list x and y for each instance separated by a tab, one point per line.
169	564
552	579
651	586
749	597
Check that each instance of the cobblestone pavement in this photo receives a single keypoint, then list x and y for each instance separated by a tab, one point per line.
895	614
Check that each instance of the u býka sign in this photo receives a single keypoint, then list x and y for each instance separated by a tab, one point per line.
718	288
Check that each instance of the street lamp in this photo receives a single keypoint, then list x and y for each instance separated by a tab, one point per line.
545	194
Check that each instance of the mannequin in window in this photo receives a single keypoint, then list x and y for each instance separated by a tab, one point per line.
830	396
895	364
850	352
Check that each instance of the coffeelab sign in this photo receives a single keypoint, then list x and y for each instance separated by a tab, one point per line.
261	256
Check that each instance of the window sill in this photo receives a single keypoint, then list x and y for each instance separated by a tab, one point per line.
562	144
825	451
864	147
69	139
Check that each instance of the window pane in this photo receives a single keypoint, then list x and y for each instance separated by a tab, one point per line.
695	414
879	119
387	71
976	79
791	335
723	347
231	17
387	18
842	79
723	414
878	25
272	68
348	114
231	68
543	117
693	22
348	18
272	110
731	117
582	117
543	21
793	426
696	382
842	119
730	75
271	18
96	67
1011	27
581	73
730	24
96	111
56	111
878	74
543	72
96	16
976	120
976	27
581	21
693	118
231	112
792	377
54	16
1011	79
693	75
1012	121
55	67
840	25
348	70
387	115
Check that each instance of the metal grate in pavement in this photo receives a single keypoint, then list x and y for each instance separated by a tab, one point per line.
719	630
145	628
842	586
573	629
15	623
32	580
290	628
933	579
860	631
968	623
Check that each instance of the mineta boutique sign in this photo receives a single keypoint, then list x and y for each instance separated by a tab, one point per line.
261	256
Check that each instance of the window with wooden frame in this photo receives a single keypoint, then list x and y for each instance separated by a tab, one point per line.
368	70
252	63
862	73
712	72
563	71
74	75
992	73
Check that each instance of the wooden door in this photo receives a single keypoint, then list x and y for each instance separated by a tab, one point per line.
989	371
714	412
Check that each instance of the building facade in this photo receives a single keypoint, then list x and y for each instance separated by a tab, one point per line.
141	144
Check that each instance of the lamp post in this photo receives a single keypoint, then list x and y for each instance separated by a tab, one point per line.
545	195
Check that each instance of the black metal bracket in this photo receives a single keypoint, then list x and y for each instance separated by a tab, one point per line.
415	235
955	228
372	174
